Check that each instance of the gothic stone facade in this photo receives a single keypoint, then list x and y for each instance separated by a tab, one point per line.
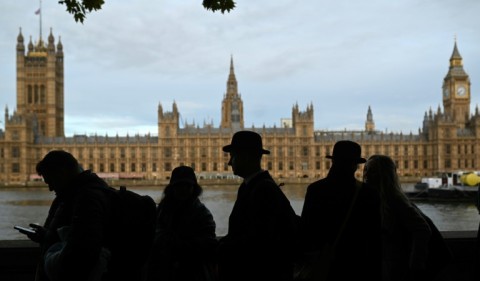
448	140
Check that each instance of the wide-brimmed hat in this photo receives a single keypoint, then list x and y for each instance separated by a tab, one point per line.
246	140
346	150
183	174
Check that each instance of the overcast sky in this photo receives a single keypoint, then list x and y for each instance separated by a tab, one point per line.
341	56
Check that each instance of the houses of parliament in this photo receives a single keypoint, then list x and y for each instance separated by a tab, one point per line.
448	140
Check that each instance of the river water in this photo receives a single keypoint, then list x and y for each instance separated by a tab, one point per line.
21	206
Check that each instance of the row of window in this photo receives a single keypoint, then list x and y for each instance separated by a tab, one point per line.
290	151
182	152
203	167
168	153
279	151
405	165
36	94
461	149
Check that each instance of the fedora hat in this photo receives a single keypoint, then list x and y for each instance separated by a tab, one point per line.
246	140
183	174
346	150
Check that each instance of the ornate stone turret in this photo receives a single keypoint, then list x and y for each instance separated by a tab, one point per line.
160	111
59	47
369	124
168	122
6	114
302	121
51	43
426	123
20	44
30	45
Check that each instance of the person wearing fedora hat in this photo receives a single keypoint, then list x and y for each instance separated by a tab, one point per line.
185	240
262	225
343	214
347	151
246	140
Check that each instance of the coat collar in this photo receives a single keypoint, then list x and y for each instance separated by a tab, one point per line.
248	179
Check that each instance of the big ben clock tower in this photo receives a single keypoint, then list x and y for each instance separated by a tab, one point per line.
456	90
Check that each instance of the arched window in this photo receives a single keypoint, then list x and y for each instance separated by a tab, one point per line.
42	127
35	92
42	94
30	95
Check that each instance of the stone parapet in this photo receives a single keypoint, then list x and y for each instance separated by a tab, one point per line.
18	258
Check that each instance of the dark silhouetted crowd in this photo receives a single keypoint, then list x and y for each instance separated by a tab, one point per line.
349	229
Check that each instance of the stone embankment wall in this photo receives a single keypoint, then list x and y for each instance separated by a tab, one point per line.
18	258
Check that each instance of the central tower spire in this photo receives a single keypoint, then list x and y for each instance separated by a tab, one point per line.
232	85
369	123
232	104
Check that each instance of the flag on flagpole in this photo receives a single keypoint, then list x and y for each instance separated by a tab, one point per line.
37	11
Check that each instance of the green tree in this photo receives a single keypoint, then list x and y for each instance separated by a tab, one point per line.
80	8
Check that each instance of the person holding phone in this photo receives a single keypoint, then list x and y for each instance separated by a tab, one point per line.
25	230
77	227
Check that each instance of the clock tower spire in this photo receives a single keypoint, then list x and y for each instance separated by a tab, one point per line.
456	90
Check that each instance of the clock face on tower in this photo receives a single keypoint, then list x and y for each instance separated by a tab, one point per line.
461	91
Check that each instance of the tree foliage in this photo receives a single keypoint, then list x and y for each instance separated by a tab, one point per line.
80	8
219	5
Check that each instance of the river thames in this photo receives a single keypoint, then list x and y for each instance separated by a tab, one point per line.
21	206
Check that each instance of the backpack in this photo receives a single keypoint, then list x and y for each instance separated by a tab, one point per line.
133	232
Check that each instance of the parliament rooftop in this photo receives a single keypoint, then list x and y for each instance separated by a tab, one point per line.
448	139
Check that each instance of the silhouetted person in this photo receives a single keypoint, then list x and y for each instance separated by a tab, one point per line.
54	261
185	241
405	233
75	238
357	254
261	227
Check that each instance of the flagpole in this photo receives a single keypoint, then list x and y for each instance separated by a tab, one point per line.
40	9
